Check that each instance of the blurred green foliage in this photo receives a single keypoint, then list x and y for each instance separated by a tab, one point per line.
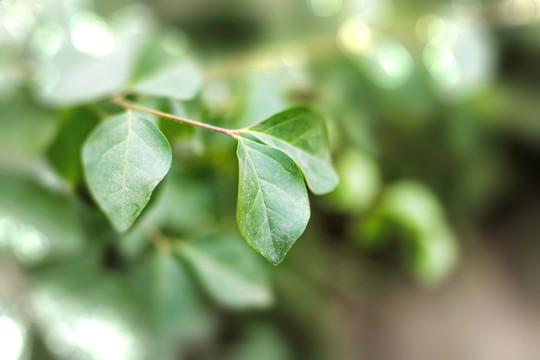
427	104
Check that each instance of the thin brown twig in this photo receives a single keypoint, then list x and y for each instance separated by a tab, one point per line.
133	106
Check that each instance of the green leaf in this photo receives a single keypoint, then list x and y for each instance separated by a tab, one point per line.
64	153
71	77
26	128
35	222
261	341
124	159
228	270
273	206
301	134
264	97
182	81
360	181
177	316
99	307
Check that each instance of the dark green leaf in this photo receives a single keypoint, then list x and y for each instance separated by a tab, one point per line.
273	206
64	153
124	159
301	134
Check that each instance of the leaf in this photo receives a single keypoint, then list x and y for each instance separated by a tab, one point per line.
75	75
261	341
360	181
273	206
64	153
182	81
177	316
228	270
413	212
72	77
264	97
301	134
98	307
27	129
35	222
124	159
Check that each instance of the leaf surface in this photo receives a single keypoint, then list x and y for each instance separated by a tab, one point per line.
124	159
301	134
273	206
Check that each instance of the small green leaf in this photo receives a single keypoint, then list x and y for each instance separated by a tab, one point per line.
182	81
231	273
124	159
301	134
273	206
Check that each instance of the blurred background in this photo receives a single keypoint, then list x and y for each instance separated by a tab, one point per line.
428	249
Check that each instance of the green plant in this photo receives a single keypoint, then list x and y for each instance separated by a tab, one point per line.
126	157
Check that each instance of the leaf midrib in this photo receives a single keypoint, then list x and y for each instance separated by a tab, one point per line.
259	190
126	160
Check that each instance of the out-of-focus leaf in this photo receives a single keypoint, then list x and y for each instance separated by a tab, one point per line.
194	217
174	307
181	81
359	182
194	196
84	312
434	256
35	222
416	211
160	51
229	271
26	128
96	61
263	342
301	134
264	98
273	206
80	78
124	159
64	154
412	205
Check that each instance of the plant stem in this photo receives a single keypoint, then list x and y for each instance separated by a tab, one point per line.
133	106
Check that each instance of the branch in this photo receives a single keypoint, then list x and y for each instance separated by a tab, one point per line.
129	105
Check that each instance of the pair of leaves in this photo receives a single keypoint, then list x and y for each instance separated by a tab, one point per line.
127	156
273	205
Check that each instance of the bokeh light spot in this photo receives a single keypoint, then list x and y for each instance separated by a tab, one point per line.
91	35
47	40
12	338
354	35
